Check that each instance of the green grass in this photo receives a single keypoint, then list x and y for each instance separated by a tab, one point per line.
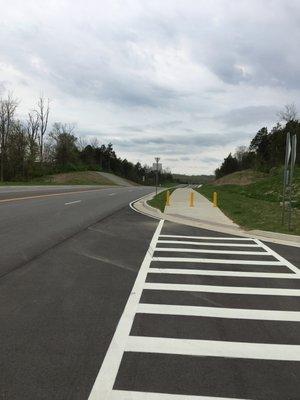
67	178
169	184
159	201
257	206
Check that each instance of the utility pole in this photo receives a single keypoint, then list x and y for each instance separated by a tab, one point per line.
156	169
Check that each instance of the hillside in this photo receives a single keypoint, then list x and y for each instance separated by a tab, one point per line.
196	179
255	205
241	178
68	178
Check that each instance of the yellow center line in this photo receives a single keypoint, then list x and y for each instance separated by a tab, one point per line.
48	195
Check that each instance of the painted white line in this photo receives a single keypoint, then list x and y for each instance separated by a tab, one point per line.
215	261
109	369
215	251
207	237
73	202
131	205
222	289
218	312
112	194
128	395
180	271
213	348
278	256
208	243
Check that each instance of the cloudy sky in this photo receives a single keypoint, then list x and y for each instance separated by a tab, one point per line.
186	80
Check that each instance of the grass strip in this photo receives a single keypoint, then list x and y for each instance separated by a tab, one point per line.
159	200
243	205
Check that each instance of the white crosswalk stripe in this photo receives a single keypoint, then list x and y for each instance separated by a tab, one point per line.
222	289
126	341
218	312
207	243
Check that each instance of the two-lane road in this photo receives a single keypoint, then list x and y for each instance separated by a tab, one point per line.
67	265
50	215
88	309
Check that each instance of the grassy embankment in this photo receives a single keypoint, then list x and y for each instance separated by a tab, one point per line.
255	205
68	178
159	201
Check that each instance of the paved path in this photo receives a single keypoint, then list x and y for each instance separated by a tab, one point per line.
203	210
210	316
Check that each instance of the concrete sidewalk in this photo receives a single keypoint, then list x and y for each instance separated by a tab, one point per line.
202	211
205	216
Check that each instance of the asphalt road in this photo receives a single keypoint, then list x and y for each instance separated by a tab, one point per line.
226	326
32	226
66	272
70	263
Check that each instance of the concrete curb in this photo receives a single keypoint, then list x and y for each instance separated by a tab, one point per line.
141	206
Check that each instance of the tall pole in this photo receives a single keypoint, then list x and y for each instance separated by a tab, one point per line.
286	173
293	160
156	178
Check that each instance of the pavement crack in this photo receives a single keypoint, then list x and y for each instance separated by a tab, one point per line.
60	242
110	262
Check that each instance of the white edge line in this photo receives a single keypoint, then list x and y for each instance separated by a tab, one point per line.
109	369
129	395
218	312
278	257
213	348
180	271
131	205
222	289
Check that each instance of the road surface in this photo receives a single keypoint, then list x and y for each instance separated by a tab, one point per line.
100	302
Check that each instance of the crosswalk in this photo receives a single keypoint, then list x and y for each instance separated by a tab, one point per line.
208	317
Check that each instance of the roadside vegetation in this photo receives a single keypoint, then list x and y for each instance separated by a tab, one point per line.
256	205
159	201
250	182
267	149
74	178
31	151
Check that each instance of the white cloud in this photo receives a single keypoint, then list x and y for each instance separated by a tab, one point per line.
133	71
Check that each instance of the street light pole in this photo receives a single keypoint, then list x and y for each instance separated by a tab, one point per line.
156	179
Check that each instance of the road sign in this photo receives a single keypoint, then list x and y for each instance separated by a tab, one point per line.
157	167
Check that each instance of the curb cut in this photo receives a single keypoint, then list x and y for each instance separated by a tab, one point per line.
141	206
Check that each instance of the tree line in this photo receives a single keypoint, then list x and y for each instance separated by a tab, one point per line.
30	149
266	149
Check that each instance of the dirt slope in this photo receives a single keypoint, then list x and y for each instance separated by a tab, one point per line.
240	178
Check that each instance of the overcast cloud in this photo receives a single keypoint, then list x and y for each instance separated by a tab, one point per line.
185	80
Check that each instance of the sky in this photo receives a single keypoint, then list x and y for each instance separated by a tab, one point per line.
185	80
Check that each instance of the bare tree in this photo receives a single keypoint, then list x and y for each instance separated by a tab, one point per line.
81	143
8	108
43	114
289	113
94	142
32	130
240	152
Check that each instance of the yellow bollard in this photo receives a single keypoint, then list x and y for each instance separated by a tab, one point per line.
192	199
168	198
215	199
